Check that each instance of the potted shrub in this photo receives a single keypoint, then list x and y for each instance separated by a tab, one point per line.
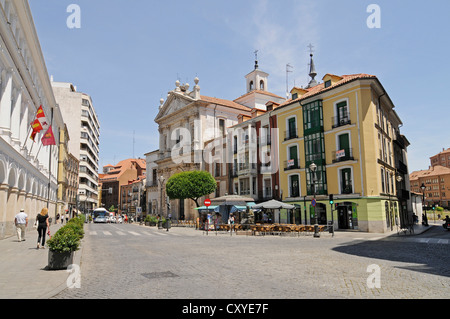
63	245
150	220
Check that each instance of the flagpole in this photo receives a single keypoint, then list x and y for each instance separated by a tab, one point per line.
26	138
31	149
38	150
29	129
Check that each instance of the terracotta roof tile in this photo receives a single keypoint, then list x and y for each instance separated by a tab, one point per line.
224	102
433	171
261	92
320	88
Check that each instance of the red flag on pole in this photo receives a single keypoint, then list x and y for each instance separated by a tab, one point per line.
48	138
39	124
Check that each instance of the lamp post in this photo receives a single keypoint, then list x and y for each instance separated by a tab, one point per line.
161	184
313	168
425	222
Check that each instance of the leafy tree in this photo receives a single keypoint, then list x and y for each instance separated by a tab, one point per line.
192	185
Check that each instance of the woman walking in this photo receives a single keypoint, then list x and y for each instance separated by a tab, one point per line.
42	227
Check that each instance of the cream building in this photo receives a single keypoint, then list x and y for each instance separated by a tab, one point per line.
84	131
28	171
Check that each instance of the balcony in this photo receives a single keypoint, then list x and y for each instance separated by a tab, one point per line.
291	164
290	134
341	121
402	168
346	188
345	154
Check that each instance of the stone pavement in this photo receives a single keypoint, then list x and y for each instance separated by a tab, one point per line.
22	269
23	274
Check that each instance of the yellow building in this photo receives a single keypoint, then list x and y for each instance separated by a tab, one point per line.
63	162
347	127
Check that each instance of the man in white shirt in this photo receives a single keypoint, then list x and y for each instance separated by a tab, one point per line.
21	221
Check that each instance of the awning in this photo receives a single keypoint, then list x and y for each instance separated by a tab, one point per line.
206	208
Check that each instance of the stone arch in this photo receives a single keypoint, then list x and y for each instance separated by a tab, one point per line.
12	176
29	184
3	170
21	181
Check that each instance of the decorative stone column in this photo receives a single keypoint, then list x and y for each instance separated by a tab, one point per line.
11	210
4	188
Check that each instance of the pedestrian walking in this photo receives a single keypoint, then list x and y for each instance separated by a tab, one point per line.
42	227
21	222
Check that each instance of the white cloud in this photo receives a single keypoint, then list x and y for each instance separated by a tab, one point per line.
284	41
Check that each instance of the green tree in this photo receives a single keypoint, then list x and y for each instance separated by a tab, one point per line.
192	185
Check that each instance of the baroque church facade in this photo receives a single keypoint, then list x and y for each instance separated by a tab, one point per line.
187	123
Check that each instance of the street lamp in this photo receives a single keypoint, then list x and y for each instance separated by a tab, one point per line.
161	184
313	168
425	222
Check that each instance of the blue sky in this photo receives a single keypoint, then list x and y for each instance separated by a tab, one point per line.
128	54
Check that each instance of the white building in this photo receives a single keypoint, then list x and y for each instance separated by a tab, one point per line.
152	186
84	131
188	122
28	171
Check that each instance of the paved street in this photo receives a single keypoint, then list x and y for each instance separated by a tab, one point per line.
131	261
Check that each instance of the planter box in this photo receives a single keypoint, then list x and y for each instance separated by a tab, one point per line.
59	261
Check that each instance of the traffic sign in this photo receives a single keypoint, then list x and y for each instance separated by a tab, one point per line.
313	202
207	202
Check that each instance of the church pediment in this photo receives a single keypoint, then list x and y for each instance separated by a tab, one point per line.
173	104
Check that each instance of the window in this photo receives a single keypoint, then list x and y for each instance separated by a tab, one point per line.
383	189
261	85
292	160
222	127
327	84
346	181
314	147
342	114
295	96
291	128
316	182
250	88
217	170
294	186
312	116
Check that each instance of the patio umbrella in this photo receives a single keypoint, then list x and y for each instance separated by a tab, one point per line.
273	204
232	200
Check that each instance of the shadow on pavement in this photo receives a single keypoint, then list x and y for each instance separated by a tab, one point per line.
421	257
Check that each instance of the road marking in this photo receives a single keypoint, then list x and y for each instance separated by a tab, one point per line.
147	233
93	233
134	233
107	233
161	234
120	233
443	241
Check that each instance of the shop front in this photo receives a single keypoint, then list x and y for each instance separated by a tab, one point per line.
347	215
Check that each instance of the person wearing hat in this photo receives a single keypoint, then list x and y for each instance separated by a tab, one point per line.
21	222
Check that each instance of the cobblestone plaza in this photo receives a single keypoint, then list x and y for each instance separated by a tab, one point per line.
129	261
